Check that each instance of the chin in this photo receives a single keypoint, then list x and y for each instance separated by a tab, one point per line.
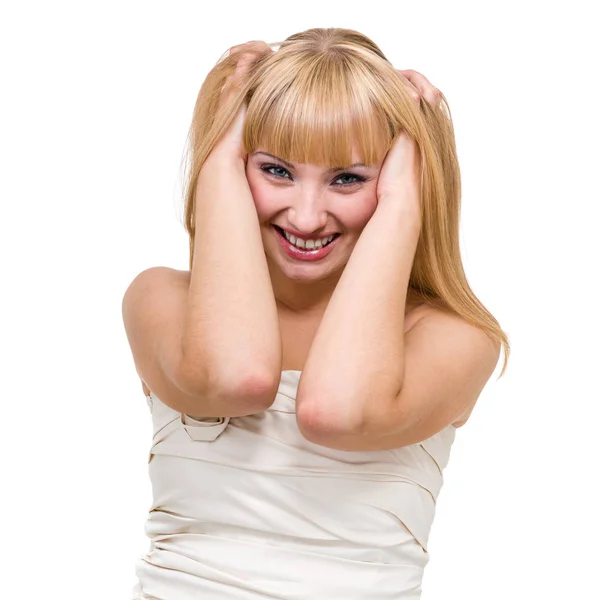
308	272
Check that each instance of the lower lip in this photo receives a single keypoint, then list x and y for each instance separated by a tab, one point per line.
299	254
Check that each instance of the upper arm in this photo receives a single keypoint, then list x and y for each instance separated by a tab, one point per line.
153	311
447	363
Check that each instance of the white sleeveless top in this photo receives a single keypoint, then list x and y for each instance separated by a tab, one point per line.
246	508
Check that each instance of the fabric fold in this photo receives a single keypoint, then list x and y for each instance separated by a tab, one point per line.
246	507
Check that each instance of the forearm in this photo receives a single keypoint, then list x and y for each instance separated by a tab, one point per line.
357	356
232	327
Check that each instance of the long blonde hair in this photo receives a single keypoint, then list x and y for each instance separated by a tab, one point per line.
322	91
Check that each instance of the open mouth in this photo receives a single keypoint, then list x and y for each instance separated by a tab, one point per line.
282	234
305	254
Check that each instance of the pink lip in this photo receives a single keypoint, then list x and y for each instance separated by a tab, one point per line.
306	255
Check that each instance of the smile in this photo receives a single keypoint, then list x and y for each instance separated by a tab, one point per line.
306	253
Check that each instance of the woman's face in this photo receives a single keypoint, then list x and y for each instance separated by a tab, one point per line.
312	201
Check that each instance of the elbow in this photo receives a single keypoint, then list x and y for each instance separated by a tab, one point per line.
332	430
258	388
232	393
255	389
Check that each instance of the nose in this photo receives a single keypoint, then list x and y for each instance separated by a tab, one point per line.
308	211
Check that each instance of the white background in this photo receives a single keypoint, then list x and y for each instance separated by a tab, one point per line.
96	103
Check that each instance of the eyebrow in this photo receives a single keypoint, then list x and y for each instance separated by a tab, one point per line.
291	166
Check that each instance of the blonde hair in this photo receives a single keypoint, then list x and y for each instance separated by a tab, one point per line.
321	92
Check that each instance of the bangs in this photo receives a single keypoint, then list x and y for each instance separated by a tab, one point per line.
317	114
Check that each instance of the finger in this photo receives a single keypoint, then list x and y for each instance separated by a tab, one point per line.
411	89
423	85
249	53
259	45
256	48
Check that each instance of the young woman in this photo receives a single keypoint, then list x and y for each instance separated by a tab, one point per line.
307	375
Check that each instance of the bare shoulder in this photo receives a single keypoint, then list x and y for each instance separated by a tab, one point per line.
162	273
175	279
182	276
165	280
417	309
169	280
176	275
437	311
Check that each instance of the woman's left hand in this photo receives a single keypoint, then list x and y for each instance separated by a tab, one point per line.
400	176
418	86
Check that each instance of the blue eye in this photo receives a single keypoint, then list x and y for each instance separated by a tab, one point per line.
267	168
357	178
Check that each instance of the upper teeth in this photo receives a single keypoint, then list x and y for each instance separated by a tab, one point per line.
309	244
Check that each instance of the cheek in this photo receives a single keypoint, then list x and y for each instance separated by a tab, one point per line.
261	194
359	210
354	210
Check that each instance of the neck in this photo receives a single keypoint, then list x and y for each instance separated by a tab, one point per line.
302	297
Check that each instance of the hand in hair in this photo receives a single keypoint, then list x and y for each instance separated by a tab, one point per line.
419	87
400	175
247	54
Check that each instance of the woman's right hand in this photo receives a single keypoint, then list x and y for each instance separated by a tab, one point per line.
247	55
